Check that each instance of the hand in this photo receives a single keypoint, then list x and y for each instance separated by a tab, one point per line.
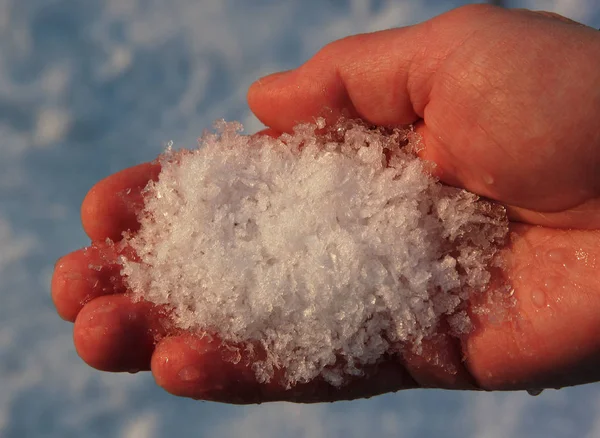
507	103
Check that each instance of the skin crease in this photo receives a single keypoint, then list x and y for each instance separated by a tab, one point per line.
507	104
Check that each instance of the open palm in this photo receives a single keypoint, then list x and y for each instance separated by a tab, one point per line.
507	105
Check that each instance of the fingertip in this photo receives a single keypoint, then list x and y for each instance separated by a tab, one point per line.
356	77
82	276
269	79
180	371
111	206
66	284
200	367
112	333
283	100
438	363
102	216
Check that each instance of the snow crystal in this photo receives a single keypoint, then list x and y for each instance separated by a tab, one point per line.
323	249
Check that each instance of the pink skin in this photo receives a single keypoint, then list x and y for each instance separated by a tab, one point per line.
507	103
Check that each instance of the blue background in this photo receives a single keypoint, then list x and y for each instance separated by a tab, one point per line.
88	87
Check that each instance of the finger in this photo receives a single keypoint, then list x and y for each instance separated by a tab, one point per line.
83	275
111	206
583	216
202	368
197	367
112	333
356	76
548	337
438	362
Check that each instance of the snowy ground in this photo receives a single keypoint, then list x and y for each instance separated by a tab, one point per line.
88	87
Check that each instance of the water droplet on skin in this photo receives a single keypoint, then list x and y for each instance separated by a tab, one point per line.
534	391
560	256
521	275
538	297
495	319
581	255
556	255
488	179
585	258
73	276
550	284
189	373
522	325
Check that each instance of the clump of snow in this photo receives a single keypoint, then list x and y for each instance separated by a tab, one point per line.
325	248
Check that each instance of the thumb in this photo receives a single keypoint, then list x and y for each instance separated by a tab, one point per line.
475	82
356	76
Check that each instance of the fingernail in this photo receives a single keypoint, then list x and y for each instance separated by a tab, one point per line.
270	79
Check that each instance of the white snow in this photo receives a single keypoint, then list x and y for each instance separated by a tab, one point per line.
325	251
